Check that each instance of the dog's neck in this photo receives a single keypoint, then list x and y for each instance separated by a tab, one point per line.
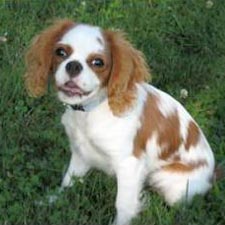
91	104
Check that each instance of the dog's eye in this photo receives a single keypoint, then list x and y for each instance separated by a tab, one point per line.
97	62
61	52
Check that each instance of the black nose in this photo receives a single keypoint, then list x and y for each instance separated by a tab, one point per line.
73	68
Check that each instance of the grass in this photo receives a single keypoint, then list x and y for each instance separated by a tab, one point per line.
183	41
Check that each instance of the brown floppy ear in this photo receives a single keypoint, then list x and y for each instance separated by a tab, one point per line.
39	57
128	67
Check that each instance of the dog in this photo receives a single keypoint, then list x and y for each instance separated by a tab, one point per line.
115	120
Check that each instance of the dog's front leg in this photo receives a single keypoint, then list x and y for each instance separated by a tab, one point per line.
77	167
130	178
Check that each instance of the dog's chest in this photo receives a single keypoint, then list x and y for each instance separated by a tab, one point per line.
102	139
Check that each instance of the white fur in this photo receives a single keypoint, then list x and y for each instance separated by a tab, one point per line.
99	139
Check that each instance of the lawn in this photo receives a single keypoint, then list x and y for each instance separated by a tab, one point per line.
184	44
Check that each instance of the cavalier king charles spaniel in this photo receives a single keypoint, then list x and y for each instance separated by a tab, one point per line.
115	120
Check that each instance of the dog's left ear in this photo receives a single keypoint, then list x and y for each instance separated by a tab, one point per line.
128	67
39	57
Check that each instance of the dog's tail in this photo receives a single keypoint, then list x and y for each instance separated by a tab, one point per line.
219	173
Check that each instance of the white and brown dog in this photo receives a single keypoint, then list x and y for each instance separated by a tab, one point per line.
115	121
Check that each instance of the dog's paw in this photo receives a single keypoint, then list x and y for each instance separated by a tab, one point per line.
54	197
50	199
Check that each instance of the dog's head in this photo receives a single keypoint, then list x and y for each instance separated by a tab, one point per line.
85	60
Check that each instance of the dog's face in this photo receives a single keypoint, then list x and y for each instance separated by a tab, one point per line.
85	60
82	64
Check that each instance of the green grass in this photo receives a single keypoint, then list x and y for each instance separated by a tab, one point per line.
184	43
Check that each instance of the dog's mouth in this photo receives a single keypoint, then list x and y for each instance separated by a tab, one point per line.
71	89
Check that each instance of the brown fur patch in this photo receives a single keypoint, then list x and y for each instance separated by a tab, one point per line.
178	167
101	72
128	67
40	55
57	59
193	135
167	130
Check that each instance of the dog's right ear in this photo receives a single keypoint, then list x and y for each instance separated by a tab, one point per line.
39	57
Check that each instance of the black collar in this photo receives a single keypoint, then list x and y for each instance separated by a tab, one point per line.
89	106
77	107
